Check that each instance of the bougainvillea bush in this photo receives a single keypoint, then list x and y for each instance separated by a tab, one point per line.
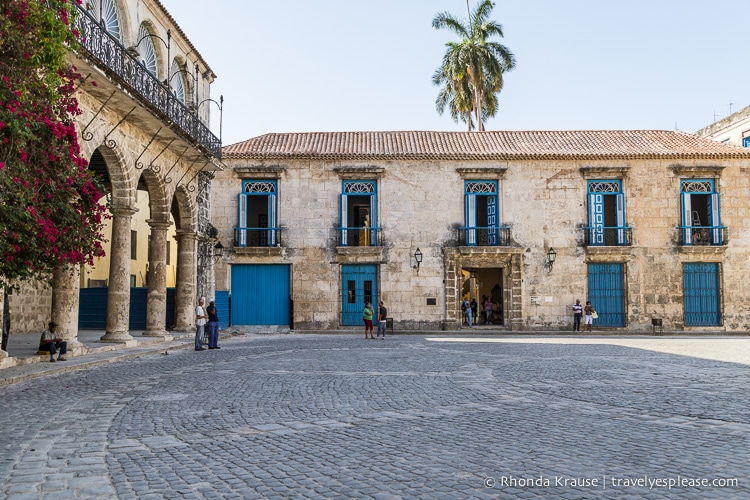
49	201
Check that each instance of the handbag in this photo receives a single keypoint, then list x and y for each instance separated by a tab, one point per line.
594	315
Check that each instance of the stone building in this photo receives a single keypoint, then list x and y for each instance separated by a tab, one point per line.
644	224
733	129
146	102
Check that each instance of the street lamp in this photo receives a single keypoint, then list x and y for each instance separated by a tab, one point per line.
220	104
551	256
418	258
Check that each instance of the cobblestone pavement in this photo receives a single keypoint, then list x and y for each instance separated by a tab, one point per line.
334	416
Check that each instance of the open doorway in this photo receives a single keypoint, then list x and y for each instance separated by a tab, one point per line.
481	284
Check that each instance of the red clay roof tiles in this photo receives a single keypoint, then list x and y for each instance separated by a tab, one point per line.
490	145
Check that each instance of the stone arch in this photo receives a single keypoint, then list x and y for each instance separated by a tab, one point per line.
185	210
158	201
120	178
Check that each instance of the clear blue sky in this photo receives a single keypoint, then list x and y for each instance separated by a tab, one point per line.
348	65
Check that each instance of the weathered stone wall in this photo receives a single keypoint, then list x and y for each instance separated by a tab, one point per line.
420	204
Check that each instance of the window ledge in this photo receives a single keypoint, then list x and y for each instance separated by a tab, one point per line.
697	171
602	253
259	251
702	250
360	254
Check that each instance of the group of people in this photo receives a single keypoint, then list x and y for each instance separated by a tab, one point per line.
53	343
471	309
588	313
206	317
367	316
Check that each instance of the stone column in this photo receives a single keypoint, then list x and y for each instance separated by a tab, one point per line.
187	270
156	305
65	300
118	296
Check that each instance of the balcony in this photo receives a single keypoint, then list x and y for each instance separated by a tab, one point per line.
613	236
359	237
703	235
484	236
123	67
257	237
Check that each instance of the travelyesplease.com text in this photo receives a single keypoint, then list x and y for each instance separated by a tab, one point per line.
603	482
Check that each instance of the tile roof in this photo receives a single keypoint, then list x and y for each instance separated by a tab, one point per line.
490	145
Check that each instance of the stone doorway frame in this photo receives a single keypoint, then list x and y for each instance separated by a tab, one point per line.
509	259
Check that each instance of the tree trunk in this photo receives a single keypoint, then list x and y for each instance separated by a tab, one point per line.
6	321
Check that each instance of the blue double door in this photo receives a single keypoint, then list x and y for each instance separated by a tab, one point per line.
607	293
359	286
701	294
261	294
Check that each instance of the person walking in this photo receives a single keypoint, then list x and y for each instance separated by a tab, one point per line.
577	311
382	315
213	326
367	315
588	315
200	325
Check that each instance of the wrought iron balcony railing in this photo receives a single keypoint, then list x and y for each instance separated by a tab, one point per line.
484	236
703	235
257	236
359	236
121	64
603	236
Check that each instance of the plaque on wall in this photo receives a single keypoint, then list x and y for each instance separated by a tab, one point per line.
431	302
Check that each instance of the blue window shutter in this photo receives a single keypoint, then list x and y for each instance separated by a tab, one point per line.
272	220
620	202
344	211
715	218
242	220
687	219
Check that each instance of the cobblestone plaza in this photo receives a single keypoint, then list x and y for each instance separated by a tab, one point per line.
414	416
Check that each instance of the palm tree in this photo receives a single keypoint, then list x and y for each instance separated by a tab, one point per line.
472	69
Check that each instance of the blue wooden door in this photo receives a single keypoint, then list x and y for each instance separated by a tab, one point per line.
358	286
701	294
260	294
222	308
606	293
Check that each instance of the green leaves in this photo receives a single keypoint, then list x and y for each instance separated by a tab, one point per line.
472	70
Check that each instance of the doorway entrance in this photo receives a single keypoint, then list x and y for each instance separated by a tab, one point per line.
481	284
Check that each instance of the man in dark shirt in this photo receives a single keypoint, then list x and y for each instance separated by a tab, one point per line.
577	311
382	314
213	326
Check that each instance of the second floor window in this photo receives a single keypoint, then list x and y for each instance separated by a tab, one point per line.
359	213
257	224
106	12
481	213
147	50
701	223
606	205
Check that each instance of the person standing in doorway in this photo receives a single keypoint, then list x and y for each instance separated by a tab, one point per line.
488	311
588	316
367	315
382	315
577	311
467	309
474	310
213	326
200	325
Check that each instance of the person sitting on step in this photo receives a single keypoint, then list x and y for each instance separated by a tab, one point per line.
51	341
